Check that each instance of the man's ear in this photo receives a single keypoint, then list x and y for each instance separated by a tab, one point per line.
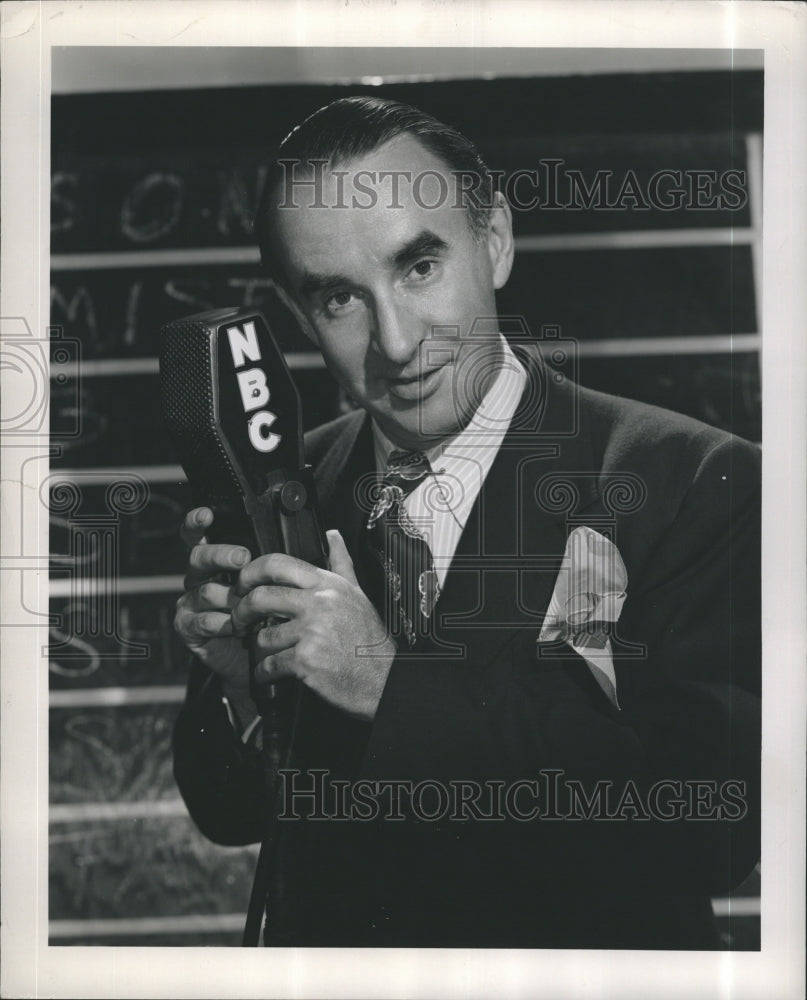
500	240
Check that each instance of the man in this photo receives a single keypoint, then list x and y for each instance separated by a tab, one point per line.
529	680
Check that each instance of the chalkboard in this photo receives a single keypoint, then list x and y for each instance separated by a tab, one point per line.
152	203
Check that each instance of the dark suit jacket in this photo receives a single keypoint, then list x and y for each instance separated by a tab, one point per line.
681	502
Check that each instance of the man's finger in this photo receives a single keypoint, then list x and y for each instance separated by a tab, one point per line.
204	625
275	667
262	602
196	523
209	596
278	568
278	636
340	561
206	561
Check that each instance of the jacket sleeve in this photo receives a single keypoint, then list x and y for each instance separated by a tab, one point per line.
689	725
695	703
220	779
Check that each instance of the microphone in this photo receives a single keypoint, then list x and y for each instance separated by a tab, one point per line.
234	413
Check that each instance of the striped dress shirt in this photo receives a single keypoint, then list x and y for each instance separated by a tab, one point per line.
441	504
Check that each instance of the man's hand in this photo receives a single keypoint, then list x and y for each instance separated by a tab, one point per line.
202	616
332	638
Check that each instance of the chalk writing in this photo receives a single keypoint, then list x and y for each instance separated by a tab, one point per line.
64	211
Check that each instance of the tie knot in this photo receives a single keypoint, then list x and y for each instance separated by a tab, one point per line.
406	469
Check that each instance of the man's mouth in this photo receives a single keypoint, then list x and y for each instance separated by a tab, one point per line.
417	385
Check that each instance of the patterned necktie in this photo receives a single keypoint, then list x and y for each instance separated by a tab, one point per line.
400	547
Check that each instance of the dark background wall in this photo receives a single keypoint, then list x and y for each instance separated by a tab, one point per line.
151	211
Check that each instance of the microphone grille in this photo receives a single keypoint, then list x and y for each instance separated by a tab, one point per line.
186	385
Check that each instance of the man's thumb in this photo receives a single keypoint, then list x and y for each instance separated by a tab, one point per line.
339	558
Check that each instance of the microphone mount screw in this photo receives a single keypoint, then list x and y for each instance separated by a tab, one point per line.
292	496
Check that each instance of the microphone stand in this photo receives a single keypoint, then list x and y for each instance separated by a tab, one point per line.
292	503
275	758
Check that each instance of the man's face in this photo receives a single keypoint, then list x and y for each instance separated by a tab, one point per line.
401	298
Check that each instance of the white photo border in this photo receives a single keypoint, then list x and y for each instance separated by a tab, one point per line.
30	966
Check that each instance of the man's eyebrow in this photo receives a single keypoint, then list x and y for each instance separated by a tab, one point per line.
426	242
311	283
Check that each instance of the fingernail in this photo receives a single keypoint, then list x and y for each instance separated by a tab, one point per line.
199	517
240	558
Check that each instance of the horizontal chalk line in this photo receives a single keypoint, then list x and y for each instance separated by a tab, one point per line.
742	906
101	367
630	239
154	258
111	696
79	812
185	924
223	922
638	239
718	343
82	587
113	474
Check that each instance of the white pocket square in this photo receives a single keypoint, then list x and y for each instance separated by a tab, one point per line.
589	592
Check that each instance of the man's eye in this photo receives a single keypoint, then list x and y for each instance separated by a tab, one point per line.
424	268
340	301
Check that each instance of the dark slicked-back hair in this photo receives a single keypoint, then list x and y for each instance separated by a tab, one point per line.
351	127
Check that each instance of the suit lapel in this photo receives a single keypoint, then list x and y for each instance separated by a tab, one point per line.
345	462
506	564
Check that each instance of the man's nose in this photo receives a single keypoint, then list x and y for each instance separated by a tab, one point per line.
397	332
